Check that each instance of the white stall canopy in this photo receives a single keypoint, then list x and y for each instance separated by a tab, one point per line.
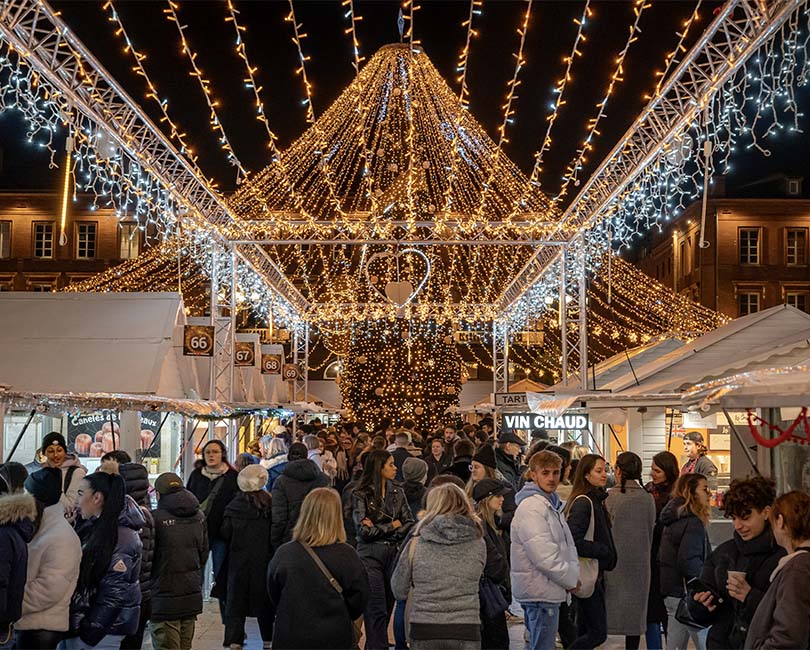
776	336
128	343
767	388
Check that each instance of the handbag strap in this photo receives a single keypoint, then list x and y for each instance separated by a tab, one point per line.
591	524
332	581
412	553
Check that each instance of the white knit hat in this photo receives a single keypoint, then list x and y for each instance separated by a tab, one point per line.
252	479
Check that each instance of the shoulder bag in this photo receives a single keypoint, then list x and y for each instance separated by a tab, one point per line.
356	625
588	566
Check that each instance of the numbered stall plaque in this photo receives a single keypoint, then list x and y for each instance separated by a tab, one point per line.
198	341
271	364
290	372
244	354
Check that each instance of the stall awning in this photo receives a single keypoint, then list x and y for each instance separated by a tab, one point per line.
770	387
128	343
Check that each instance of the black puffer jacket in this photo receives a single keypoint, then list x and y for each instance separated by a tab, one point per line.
758	557
17	514
181	550
201	486
246	529
415	493
497	566
460	467
297	480
509	467
382	514
602	547
684	548
136	479
114	605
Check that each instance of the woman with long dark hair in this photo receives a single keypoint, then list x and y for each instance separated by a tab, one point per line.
213	482
382	519
106	604
684	549
664	473
632	515
246	530
587	517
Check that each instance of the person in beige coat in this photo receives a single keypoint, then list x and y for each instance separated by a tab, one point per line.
54	555
632	513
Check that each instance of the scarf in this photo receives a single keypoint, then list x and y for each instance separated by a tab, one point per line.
213	475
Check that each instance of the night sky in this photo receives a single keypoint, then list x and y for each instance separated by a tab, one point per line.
437	26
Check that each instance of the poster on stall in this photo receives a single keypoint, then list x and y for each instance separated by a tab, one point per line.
91	435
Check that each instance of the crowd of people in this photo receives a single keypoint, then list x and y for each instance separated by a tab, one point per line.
326	534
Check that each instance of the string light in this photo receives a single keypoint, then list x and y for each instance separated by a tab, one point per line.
175	133
671	58
575	166
559	91
508	112
205	86
463	98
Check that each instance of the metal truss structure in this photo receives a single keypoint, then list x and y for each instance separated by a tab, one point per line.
48	44
739	29
574	314
301	360
34	30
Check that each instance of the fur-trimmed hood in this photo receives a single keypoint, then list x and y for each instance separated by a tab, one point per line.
16	507
20	511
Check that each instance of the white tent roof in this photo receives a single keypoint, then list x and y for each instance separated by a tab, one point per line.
94	343
770	387
777	335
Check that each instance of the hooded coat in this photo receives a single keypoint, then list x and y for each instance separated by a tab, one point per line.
627	587
275	466
442	580
782	620
17	514
246	529
54	556
113	607
181	550
136	479
544	557
297	480
758	557
509	467
309	612
684	548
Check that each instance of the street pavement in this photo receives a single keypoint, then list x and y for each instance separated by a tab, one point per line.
209	633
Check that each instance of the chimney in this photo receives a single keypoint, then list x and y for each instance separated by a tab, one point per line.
717	188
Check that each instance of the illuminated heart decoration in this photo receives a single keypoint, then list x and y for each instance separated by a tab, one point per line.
397	292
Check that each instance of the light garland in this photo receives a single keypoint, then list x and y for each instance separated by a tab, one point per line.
508	111
138	57
756	104
559	91
205	86
575	166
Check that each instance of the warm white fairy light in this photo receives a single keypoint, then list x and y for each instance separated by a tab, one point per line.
205	86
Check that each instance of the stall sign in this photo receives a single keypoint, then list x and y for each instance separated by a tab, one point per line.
91	434
244	354
271	364
527	421
290	372
511	399
198	340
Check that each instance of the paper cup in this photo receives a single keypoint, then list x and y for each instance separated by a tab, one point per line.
738	575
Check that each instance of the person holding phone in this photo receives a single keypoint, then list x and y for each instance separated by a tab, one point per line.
738	572
684	549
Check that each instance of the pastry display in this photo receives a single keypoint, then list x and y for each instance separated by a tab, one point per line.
96	450
82	444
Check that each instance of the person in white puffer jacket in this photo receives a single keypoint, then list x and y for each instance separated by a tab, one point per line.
54	555
545	566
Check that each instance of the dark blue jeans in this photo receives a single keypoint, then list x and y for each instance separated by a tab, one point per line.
219	551
400	636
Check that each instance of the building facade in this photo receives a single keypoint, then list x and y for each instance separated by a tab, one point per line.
38	254
755	253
